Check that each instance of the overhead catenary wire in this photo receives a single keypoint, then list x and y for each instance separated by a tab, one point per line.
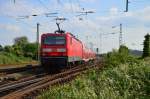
71	6
43	5
139	0
59	1
46	13
17	20
25	16
19	3
79	5
40	14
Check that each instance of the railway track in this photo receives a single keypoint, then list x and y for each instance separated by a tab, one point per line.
13	74
19	69
30	88
9	87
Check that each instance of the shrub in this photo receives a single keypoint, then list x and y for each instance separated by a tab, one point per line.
123	77
9	58
125	81
115	58
30	50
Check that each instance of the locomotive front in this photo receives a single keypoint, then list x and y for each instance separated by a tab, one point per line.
53	51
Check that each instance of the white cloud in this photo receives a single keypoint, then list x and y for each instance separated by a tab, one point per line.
113	11
21	8
10	27
88	1
133	27
89	26
67	7
139	15
85	25
144	14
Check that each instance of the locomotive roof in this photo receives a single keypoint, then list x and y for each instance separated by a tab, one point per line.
62	34
73	36
68	34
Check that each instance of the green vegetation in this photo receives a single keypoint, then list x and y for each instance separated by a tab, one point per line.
9	58
22	51
122	77
146	49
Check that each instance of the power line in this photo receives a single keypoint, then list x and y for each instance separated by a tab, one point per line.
20	3
43	5
78	3
29	11
134	1
139	1
46	14
17	20
71	6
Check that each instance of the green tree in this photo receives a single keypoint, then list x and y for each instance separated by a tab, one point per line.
19	45
8	49
22	47
146	49
30	50
1	48
124	50
18	50
21	41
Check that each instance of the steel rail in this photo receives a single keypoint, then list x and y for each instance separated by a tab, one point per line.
48	81
22	80
18	69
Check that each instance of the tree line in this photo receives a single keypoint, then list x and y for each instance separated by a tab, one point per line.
21	47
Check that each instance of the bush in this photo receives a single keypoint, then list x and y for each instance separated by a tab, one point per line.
9	58
30	50
123	77
8	49
115	57
1	48
125	81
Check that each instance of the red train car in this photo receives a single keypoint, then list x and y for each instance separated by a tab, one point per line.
60	49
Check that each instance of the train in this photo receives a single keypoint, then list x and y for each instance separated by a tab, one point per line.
61	49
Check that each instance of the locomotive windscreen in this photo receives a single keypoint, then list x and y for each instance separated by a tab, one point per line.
54	40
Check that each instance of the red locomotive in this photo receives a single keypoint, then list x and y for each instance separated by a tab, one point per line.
60	49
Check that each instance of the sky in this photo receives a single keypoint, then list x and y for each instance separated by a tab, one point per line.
95	29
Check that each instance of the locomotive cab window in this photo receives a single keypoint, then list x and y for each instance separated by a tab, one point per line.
54	40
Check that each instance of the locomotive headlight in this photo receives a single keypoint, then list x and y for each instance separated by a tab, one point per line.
47	50
61	50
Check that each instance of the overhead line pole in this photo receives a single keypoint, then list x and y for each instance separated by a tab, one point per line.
127	5
100	50
37	41
120	36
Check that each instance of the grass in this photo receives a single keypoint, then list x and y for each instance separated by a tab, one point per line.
123	77
9	58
